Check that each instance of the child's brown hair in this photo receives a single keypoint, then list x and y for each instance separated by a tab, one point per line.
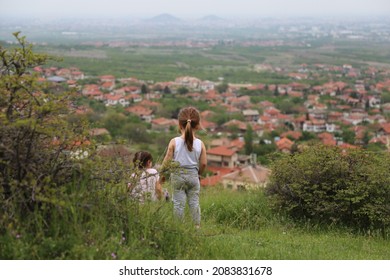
189	119
141	158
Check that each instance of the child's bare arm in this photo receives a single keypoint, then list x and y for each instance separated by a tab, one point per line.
167	159
202	159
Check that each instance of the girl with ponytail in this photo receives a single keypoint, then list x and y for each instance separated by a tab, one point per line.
190	153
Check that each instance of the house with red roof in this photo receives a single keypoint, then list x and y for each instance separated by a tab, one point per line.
142	112
107	86
264	120
292	133
386	108
239	102
334	116
206	85
116	99
271	112
194	96
238	144
248	177
327	139
222	156
267	105
209	126
211	96
216	178
230	108
384	129
241	126
77	75
251	115
383	139
189	82
163	124
92	91
314	125
207	114
284	145
107	78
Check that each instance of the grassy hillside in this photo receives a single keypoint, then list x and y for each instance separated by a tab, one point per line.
96	223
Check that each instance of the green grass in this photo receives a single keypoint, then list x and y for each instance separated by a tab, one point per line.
240	225
103	223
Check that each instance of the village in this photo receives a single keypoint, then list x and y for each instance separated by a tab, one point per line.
349	104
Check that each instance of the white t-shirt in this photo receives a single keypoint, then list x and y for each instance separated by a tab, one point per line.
187	159
145	185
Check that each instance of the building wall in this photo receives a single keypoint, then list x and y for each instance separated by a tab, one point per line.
217	160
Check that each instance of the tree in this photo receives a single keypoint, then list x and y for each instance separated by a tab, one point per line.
114	122
248	137
38	144
306	136
348	136
182	90
167	90
366	138
144	89
221	88
276	91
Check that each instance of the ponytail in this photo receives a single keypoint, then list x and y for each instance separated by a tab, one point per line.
188	135
189	119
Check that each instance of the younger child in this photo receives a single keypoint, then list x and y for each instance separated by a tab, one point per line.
145	185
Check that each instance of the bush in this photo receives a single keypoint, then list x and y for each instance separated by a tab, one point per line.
330	186
38	144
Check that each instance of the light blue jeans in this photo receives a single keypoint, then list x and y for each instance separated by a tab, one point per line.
186	187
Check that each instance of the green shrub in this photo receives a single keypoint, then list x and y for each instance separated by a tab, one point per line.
38	144
330	186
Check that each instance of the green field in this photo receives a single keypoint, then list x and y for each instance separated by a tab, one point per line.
234	63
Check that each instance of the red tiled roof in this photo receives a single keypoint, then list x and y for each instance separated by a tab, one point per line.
386	128
207	125
220	170
221	151
164	121
239	124
112	97
284	143
139	110
293	134
251	174
237	143
211	180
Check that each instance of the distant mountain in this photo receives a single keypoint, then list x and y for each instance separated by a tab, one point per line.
165	18
211	18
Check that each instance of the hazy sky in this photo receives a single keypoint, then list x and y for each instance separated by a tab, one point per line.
194	8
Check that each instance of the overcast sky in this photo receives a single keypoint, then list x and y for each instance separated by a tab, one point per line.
192	8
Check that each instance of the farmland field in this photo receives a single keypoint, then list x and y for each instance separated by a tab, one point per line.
234	63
